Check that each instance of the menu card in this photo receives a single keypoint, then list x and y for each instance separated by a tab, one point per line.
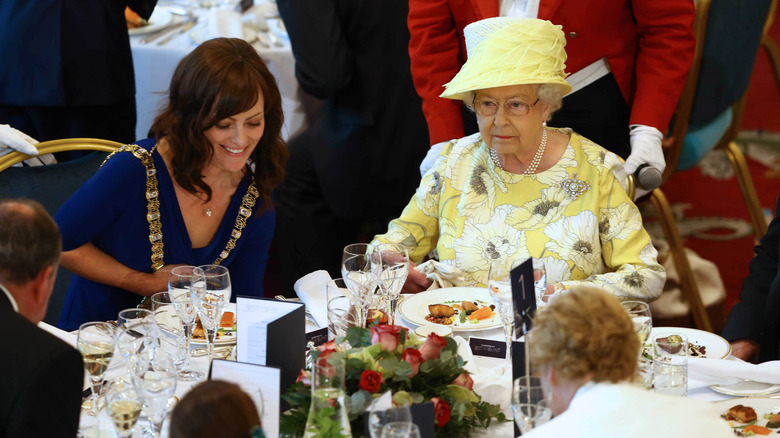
260	382
271	332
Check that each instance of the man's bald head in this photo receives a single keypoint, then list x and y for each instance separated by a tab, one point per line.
29	241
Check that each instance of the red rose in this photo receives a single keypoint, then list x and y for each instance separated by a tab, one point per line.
442	410
432	346
370	381
305	377
464	380
387	335
414	358
326	349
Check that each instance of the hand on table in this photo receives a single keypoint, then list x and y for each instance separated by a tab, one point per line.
416	281
745	349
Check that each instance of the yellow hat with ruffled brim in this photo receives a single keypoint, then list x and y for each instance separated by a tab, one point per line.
505	51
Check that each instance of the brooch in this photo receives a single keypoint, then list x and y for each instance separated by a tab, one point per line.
574	187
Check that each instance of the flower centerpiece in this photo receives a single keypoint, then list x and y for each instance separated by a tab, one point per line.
384	358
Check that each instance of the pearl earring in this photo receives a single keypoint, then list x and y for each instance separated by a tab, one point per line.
544	124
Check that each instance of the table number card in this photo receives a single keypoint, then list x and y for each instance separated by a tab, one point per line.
487	347
262	383
317	337
271	332
522	280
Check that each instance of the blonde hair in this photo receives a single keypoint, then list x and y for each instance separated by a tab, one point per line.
585	333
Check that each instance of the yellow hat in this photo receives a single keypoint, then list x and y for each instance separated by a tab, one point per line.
504	51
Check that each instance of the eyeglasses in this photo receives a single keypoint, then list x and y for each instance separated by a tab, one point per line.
514	107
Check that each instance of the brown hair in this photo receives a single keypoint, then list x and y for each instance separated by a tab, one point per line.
214	408
585	331
29	240
220	78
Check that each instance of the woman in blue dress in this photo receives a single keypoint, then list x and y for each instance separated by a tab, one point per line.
198	192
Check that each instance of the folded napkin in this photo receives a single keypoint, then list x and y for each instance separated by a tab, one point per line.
492	384
224	23
68	337
706	371
440	274
313	292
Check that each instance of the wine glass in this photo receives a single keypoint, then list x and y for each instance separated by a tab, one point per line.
500	291
96	344
400	429
360	268
529	416
377	419
179	288
210	305
395	268
156	385
132	315
639	311
217	280
124	408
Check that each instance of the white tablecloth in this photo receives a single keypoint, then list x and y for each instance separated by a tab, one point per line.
154	66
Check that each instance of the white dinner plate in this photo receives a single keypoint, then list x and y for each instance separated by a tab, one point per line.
415	308
747	388
716	347
762	406
160	18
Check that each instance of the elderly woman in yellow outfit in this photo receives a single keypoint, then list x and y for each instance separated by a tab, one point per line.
519	189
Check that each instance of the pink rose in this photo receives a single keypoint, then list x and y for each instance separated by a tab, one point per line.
387	335
304	377
326	349
432	346
464	380
414	358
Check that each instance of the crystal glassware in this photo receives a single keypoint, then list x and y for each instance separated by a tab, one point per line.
217	280
124	407
360	268
670	364
132	315
530	416
395	268
210	305
156	385
377	419
639	311
95	342
400	429
179	287
328	398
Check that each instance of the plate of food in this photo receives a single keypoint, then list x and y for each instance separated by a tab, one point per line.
460	308
700	343
226	334
160	18
761	416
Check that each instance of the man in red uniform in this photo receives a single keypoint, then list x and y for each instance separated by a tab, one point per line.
640	50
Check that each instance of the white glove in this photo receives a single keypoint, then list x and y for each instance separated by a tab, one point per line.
430	157
645	148
18	140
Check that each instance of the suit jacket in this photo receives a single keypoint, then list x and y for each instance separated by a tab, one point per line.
65	52
649	45
370	135
757	315
42	380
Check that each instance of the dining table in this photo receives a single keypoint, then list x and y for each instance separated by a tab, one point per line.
176	27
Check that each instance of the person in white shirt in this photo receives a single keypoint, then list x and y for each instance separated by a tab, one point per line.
584	347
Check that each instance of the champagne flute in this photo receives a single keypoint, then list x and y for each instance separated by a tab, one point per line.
360	268
179	287
124	407
210	305
395	268
217	280
96	344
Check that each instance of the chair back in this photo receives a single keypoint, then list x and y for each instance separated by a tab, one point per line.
728	34
51	186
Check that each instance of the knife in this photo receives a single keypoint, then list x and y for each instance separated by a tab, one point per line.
187	26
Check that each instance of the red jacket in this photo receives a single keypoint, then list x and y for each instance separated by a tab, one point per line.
649	45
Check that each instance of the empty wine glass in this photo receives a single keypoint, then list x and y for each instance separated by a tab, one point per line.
179	287
210	306
639	311
217	280
96	344
377	419
395	268
400	429
156	385
124	408
360	268
132	315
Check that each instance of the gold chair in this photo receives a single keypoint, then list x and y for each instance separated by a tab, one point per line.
709	114
770	45
52	185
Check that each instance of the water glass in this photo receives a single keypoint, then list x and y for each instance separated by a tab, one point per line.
527	390
400	429
217	280
529	416
377	419
360	268
670	364
179	287
132	315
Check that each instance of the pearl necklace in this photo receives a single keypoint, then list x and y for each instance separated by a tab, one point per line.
531	169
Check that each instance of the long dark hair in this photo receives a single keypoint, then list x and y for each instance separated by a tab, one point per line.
220	78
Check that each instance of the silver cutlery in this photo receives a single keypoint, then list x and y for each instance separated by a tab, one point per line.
184	28
218	351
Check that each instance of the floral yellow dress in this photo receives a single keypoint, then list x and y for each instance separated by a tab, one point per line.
576	217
